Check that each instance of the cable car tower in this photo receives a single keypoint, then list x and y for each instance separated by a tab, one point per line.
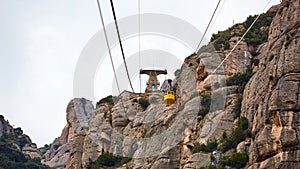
152	83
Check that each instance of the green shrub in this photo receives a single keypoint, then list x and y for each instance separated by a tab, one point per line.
224	135
22	141
221	39
205	104
238	79
238	135
256	35
218	166
11	157
107	159
210	147
144	103
108	99
243	124
237	106
236	160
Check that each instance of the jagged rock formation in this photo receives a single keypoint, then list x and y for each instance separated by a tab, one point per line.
271	99
27	146
5	128
206	110
78	113
158	136
16	148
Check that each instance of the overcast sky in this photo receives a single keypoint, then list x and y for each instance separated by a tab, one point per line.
40	42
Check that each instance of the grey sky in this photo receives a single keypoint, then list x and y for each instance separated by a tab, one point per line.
42	40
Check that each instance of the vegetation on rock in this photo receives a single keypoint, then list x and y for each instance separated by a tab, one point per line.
238	135
108	160
235	160
108	99
240	80
12	157
257	35
144	103
205	104
210	147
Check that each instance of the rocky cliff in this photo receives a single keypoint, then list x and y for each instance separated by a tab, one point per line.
17	149
78	113
242	116
271	99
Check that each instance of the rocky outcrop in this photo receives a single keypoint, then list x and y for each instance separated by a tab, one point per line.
5	127
197	160
75	160
240	58
271	99
21	141
158	136
31	150
78	114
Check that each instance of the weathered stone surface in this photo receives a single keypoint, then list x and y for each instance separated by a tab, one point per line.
164	137
78	114
169	159
286	159
58	158
219	121
243	147
5	128
235	63
198	160
271	98
29	148
75	160
32	151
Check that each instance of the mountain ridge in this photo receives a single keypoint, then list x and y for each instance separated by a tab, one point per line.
245	116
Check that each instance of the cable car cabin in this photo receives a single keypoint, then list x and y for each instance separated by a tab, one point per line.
169	97
169	94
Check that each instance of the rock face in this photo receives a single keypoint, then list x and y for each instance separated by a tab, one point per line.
76	151
157	136
5	128
271	99
31	149
78	113
26	147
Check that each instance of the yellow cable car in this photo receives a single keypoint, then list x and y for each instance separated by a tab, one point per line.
169	97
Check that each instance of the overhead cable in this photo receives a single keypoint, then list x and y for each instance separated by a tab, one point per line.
235	46
210	21
120	42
